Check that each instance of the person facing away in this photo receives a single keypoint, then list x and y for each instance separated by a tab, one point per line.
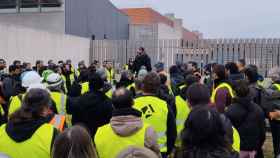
28	132
233	72
241	64
94	108
204	136
142	59
74	142
222	90
125	129
199	95
157	113
248	118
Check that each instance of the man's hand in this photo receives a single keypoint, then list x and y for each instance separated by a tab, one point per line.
274	115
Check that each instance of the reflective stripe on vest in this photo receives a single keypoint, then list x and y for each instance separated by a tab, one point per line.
58	122
109	93
2	110
222	85
236	140
117	143
183	111
85	87
277	86
154	112
182	86
38	146
15	104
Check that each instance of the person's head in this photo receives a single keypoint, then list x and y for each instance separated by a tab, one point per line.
104	64
219	72
241	88
27	66
191	79
204	131
274	74
54	81
159	67
140	50
96	63
96	83
36	104
74	142
2	64
241	64
17	63
82	65
192	66
126	76
39	63
69	61
102	73
14	70
251	73
231	68
122	99
109	65
29	78
151	83
174	69
198	94
51	62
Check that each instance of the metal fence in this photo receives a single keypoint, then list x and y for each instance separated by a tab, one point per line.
265	53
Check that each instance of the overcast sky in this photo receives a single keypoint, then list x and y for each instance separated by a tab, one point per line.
220	18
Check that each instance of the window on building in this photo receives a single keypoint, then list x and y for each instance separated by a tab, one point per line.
9	4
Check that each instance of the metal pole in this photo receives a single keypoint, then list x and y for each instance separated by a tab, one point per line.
18	5
39	6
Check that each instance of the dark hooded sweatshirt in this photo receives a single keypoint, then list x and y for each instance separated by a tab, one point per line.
24	130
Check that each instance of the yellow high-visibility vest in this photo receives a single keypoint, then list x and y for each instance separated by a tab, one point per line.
154	112
236	140
39	145
222	85
130	86
277	86
60	102
117	143
85	87
183	111
110	75
15	104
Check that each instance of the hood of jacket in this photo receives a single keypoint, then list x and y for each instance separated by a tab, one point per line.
126	122
24	130
245	102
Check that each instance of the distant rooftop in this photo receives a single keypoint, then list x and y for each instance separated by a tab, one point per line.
146	16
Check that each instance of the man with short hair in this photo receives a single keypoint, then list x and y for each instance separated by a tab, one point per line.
241	64
157	113
142	59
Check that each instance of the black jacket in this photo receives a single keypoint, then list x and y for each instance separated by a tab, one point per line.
248	118
94	109
142	60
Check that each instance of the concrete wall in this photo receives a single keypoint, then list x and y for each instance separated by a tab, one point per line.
47	21
30	45
95	17
167	32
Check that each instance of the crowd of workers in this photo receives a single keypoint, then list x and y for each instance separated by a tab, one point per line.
218	111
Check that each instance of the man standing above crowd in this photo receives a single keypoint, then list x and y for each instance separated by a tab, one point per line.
142	59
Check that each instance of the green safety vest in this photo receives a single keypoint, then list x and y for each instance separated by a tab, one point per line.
183	111
117	143
236	140
222	85
38	146
154	112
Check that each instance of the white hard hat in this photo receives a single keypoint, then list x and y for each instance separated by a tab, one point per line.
30	78
54	80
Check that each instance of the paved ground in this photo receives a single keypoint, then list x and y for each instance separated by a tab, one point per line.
268	147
